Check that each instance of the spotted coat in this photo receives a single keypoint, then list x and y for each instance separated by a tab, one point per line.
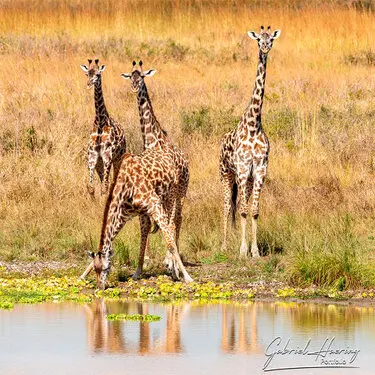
244	153
143	183
107	142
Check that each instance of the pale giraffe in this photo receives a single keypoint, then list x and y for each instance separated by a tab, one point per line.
154	137
107	144
244	153
143	183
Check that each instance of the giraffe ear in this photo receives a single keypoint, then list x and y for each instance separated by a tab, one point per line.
91	254
84	68
102	68
126	75
149	73
276	34
253	35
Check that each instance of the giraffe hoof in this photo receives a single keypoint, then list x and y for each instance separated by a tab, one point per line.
168	263
136	276
255	251
188	279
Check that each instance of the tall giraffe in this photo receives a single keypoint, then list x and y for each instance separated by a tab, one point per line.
142	185
154	137
244	152
107	144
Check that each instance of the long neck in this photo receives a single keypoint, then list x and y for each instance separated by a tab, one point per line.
152	133
253	113
100	109
108	224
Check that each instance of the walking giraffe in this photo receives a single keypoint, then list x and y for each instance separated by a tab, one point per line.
143	183
107	144
154	137
244	153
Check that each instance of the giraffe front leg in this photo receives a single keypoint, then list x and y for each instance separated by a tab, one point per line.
227	181
245	187
169	206
91	162
107	162
145	224
259	177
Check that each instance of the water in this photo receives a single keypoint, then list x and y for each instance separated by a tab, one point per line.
190	338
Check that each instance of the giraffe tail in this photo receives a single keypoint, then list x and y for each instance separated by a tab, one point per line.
234	203
156	228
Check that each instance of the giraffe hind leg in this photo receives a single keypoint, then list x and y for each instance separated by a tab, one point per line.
228	190
161	218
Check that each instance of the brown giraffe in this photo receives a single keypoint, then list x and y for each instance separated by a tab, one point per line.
244	152
107	144
154	137
142	185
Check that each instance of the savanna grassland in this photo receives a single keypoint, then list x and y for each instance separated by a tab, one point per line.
317	217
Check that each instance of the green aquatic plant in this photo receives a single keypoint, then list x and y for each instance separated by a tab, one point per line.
136	317
37	290
163	289
6	305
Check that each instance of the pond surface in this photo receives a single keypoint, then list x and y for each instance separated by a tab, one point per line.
191	338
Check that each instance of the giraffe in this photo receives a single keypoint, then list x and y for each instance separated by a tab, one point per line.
244	153
107	143
141	185
154	137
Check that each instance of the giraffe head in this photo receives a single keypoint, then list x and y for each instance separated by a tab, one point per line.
100	269
265	38
93	72
137	76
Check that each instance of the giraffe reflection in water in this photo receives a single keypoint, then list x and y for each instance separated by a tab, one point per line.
103	335
112	336
315	316
246	328
239	329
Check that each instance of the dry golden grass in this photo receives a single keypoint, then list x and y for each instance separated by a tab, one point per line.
319	114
